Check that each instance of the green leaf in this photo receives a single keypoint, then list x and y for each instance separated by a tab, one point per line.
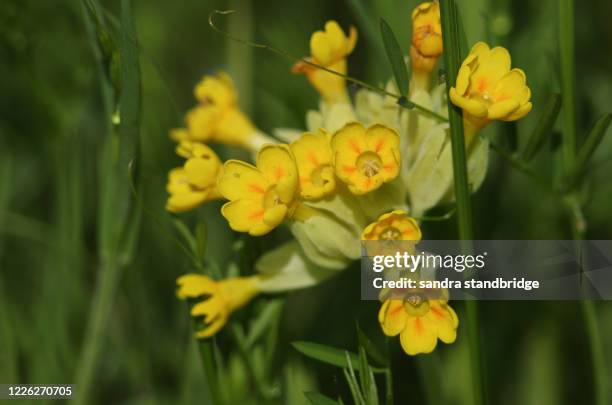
396	57
373	351
591	143
543	128
264	320
328	354
351	379
200	240
316	398
364	369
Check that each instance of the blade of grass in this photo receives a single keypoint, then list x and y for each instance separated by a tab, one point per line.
395	56
591	143
316	398
543	128
568	84
451	34
119	225
8	355
329	355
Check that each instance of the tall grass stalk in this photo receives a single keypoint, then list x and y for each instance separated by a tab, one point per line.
119	222
578	225
452	37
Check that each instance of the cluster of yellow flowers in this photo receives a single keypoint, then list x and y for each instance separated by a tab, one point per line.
357	172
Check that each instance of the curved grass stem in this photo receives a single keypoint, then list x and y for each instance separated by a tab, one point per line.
288	55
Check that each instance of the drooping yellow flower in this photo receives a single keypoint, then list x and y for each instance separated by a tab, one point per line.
218	118
222	298
313	156
366	158
395	225
196	182
330	49
419	316
419	321
426	44
260	197
487	89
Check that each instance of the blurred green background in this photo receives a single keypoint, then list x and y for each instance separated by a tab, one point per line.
52	128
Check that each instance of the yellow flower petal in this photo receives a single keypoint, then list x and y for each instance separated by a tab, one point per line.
446	320
278	167
313	157
194	285
242	180
419	336
502	109
392	317
186	201
218	90
246	216
202	173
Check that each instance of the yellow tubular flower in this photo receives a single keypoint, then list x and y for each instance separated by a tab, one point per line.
366	158
196	182
426	44
417	318
218	118
222	298
329	48
419	321
260	197
487	89
313	156
395	225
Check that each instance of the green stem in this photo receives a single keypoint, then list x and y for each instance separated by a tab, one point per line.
98	319
388	375
452	59
206	347
589	312
401	100
568	84
577	221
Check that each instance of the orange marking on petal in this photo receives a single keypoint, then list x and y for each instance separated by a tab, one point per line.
257	188
389	168
279	172
396	310
349	169
355	147
305	179
418	326
482	85
313	159
257	215
437	313
407	232
379	145
368	182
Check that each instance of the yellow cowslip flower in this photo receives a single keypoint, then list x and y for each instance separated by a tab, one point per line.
419	321
313	156
260	197
218	118
329	48
426	44
487	89
195	182
395	225
366	158
222	298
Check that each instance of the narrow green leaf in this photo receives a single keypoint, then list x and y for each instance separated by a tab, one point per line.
316	398
543	128
591	143
351	379
200	240
264	320
363	372
186	234
374	352
328	354
396	57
